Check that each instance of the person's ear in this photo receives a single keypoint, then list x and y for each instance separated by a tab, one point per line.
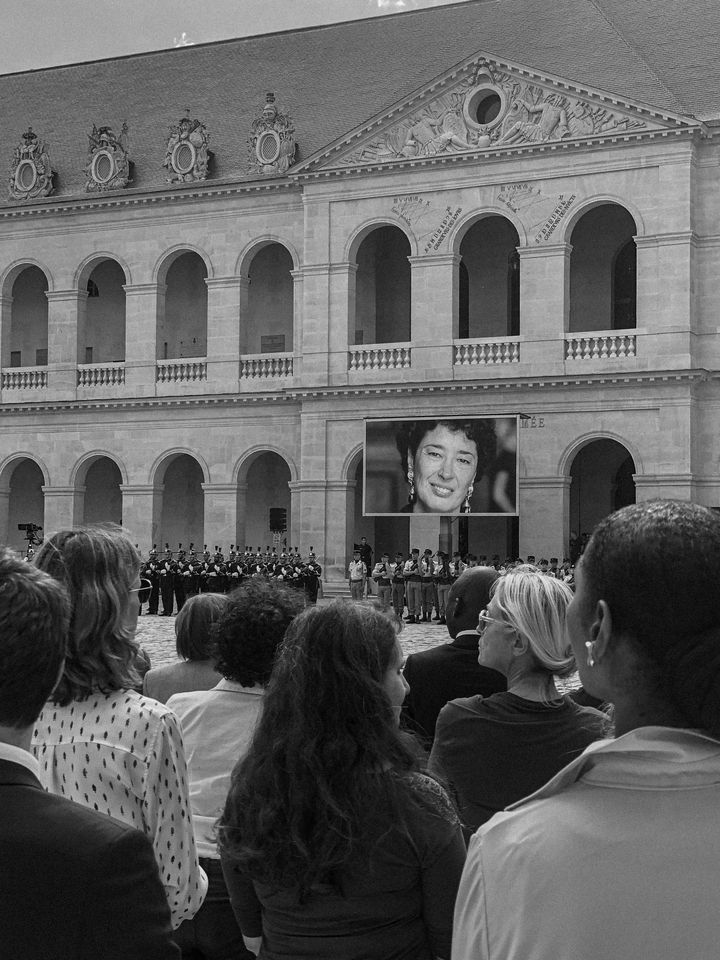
601	630
520	644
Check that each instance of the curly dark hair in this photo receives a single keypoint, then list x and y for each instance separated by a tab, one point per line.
247	633
326	755
657	565
479	431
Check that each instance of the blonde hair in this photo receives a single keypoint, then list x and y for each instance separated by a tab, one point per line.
98	566
535	605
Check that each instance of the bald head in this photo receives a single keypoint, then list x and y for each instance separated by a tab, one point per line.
468	596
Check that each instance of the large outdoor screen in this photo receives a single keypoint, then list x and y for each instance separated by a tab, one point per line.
451	466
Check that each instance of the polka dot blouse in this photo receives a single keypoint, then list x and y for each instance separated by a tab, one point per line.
122	754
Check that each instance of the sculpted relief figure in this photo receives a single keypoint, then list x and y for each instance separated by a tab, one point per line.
31	174
187	154
546	120
271	143
108	166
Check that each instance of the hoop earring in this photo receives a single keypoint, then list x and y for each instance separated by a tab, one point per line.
411	481
466	505
589	647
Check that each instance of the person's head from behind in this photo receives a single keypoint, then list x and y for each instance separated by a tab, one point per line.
469	594
250	628
645	620
523	627
99	567
193	623
34	616
442	459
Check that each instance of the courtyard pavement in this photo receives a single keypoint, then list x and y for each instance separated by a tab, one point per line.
157	636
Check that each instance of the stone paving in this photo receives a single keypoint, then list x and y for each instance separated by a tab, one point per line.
157	636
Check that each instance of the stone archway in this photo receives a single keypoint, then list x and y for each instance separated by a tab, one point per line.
179	514
22	490
601	482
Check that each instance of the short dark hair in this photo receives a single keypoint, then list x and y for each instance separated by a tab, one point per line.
668	610
479	431
250	628
193	623
98	566
34	616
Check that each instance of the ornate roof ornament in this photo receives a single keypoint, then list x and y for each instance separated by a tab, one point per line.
272	142
108	166
31	175
187	155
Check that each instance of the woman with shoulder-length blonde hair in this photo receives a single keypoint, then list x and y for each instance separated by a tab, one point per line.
496	750
98	741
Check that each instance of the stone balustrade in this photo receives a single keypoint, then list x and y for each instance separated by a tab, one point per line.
188	370
484	352
24	378
266	366
600	345
100	374
380	356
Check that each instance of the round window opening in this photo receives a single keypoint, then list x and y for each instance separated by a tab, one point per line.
184	157
487	108
25	176
268	147
103	167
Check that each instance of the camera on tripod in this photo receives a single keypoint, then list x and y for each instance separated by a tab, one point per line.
31	532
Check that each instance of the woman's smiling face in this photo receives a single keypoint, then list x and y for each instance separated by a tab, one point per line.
445	465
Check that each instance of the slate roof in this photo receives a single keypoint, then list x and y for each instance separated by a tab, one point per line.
332	78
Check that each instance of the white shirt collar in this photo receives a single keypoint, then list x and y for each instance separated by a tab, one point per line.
18	755
235	687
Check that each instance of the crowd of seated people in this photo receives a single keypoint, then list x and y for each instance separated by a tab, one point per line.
322	800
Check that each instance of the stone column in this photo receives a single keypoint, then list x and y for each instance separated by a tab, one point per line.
141	510
141	305
223	333
318	328
544	511
338	541
434	296
240	515
63	310
5	514
341	280
220	510
297	276
666	312
5	330
307	515
62	505
544	304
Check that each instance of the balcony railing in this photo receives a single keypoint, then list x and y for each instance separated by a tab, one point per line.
266	366
100	374
24	378
475	353
380	356
600	345
181	371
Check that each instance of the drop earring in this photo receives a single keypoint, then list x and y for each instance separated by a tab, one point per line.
589	647
411	481
466	505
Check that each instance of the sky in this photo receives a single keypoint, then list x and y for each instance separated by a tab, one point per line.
45	33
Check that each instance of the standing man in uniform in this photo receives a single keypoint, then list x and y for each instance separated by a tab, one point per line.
382	575
357	574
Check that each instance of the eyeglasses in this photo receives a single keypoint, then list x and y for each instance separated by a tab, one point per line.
484	620
143	591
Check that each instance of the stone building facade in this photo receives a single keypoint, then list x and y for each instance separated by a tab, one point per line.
492	229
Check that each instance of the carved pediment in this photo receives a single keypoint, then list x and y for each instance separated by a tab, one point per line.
486	105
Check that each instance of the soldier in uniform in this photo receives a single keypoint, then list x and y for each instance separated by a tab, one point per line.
398	584
153	575
166	570
178	579
312	572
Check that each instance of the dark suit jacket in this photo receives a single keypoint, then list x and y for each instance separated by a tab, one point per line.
75	884
442	674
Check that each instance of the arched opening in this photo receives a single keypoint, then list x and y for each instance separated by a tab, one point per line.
382	533
182	517
268	481
489	280
182	312
26	502
102	501
27	343
382	288
603	270
101	323
602	482
269	326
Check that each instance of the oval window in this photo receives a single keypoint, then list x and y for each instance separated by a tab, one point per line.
103	167
487	108
184	157
25	176
268	147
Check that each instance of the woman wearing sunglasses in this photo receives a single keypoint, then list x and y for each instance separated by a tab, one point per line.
496	750
98	741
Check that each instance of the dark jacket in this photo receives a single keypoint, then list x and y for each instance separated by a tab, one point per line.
75	883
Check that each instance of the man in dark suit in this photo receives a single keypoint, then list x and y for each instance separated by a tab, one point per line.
452	670
74	883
